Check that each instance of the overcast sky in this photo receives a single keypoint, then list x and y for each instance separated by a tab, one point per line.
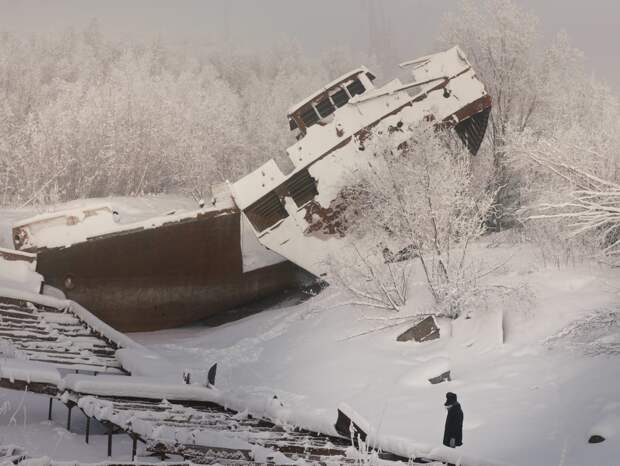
593	26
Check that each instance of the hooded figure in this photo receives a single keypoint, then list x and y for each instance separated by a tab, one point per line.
453	433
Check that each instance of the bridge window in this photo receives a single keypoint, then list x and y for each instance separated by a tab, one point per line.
309	116
356	88
340	98
325	107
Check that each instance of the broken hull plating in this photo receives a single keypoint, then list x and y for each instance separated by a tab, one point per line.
164	277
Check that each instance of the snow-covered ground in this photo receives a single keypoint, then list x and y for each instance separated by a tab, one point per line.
532	400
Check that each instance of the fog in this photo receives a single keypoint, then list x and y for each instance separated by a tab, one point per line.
395	30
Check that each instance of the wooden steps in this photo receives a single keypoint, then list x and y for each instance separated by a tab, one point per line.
202	423
56	336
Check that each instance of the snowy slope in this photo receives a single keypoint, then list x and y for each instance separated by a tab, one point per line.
531	401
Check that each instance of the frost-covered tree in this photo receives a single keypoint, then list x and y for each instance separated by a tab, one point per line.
502	41
83	115
573	186
413	205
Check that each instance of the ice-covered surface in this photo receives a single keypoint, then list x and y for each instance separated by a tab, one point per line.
19	274
29	371
141	361
137	387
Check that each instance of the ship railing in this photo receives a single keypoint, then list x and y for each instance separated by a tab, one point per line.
404	87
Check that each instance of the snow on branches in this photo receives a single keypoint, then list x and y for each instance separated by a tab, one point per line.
587	203
414	206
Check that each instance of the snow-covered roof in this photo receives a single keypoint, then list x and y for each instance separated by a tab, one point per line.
78	212
65	228
332	84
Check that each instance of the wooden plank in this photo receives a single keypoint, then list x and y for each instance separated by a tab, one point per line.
10	336
34	387
30	328
18	313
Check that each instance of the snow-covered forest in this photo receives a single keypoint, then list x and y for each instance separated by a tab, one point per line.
85	115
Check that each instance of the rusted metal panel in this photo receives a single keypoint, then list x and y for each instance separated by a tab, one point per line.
164	277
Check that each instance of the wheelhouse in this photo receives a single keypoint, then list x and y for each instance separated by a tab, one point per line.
318	107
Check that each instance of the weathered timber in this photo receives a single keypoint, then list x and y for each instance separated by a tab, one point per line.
34	332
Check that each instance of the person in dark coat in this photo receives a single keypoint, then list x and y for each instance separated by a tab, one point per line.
453	433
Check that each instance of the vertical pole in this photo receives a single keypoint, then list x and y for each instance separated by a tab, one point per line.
49	412
87	428
69	408
109	440
134	447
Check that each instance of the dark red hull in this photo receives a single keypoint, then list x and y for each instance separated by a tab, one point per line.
178	273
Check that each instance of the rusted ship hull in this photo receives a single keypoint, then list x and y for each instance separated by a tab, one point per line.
172	275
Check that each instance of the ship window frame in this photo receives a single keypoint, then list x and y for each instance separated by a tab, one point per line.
354	82
309	114
340	90
330	109
308	110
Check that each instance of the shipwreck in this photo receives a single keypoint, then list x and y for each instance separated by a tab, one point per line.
264	233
